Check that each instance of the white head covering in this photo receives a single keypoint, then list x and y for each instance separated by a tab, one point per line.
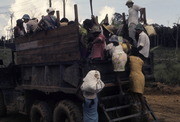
49	10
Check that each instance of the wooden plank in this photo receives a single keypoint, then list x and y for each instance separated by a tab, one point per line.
59	45
42	35
46	89
46	58
52	49
47	42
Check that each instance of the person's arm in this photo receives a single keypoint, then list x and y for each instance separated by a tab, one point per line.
28	28
142	42
140	48
141	10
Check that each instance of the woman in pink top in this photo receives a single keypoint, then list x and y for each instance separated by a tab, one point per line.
98	44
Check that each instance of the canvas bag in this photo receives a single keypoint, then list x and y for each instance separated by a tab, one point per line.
92	82
150	30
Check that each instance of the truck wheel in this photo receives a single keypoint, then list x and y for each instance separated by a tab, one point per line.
3	109
41	112
67	111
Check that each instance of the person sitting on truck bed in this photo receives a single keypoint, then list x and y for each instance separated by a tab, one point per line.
31	25
19	29
64	22
98	44
50	19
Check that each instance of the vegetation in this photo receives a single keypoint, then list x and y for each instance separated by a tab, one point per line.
166	65
6	56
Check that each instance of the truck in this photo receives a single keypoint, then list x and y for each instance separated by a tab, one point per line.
44	78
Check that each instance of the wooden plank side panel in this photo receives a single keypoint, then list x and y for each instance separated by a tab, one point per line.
60	45
49	54
29	59
62	31
66	48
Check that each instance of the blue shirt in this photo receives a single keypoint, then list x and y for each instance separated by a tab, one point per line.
90	113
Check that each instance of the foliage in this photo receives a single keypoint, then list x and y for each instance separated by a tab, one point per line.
6	56
166	65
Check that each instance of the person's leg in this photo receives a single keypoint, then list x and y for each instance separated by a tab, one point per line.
132	33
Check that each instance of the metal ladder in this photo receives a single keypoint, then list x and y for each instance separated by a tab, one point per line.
115	110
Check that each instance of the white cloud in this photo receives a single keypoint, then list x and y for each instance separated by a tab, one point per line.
106	10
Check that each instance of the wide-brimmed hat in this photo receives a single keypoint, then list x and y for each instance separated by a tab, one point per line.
129	2
139	27
49	10
89	95
109	28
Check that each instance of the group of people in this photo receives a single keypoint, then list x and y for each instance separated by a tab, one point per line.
98	40
26	25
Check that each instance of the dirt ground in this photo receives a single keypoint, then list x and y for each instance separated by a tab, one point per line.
164	100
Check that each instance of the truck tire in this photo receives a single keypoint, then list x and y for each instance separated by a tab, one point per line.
67	111
3	109
40	112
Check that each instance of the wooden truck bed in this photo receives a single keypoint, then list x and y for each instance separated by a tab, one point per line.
58	45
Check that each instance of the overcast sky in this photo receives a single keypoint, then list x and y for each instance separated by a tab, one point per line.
164	12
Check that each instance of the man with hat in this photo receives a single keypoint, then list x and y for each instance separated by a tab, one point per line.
51	19
143	44
133	19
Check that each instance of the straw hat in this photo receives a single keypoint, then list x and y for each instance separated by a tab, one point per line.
109	28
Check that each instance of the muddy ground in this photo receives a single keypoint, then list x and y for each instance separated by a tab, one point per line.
164	100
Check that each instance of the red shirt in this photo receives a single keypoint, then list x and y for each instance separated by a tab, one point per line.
98	47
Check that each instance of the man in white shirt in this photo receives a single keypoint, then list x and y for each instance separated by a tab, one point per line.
143	44
133	19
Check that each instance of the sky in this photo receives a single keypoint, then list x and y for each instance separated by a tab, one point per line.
165	12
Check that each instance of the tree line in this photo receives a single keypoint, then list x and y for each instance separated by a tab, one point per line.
166	36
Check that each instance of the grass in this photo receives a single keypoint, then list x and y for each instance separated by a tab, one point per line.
167	65
6	56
